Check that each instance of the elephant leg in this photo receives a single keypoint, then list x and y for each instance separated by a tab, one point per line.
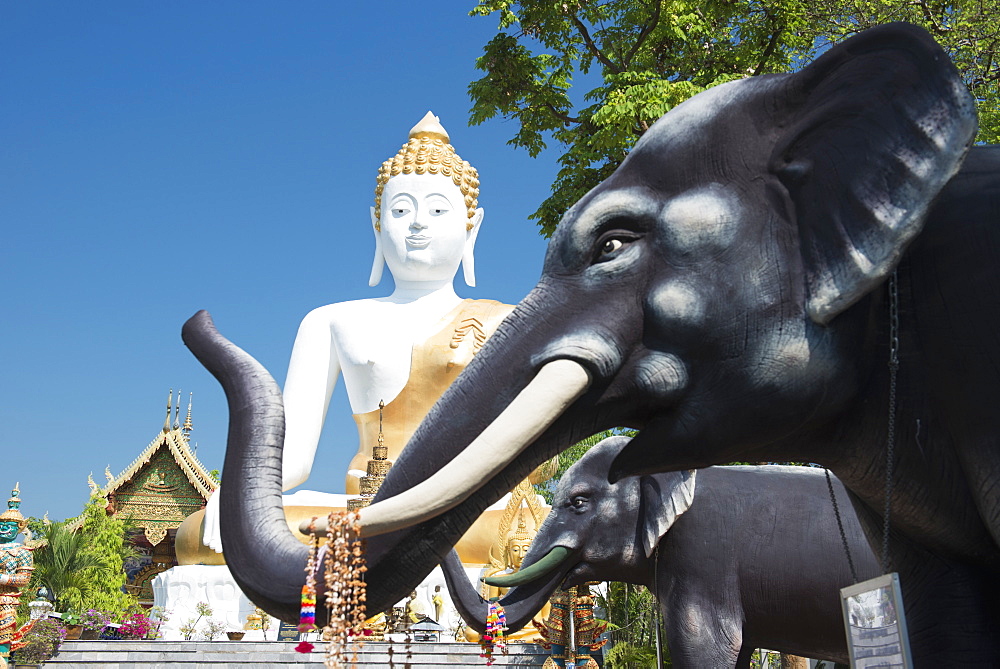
746	653
701	630
951	612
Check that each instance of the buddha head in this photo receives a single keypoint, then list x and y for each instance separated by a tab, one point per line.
11	520
518	544
425	216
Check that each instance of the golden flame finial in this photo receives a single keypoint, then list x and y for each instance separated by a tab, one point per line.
521	533
430	127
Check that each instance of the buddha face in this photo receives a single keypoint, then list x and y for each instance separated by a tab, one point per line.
516	550
9	530
423	227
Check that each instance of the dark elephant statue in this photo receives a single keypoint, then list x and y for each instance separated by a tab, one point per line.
739	557
724	292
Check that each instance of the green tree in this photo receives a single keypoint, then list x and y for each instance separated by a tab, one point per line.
106	542
83	563
593	76
566	459
632	618
64	566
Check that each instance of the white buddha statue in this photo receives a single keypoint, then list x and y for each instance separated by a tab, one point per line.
404	349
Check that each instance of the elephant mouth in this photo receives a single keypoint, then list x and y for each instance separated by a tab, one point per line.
558	557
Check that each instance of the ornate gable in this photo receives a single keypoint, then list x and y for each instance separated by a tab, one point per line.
165	484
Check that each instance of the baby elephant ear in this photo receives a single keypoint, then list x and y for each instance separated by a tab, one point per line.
664	498
872	131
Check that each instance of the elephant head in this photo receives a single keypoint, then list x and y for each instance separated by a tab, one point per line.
597	531
712	293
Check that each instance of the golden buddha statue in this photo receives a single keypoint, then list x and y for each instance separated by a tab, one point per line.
509	548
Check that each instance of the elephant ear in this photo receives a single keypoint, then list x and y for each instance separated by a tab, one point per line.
874	129
664	498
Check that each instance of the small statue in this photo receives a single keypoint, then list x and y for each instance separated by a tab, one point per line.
585	629
16	566
414	609
438	601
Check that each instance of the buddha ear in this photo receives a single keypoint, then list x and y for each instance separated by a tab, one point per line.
379	263
468	255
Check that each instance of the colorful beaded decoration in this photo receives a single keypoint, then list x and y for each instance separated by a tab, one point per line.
493	638
307	613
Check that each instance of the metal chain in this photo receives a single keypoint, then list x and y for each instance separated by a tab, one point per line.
891	434
840	526
890	437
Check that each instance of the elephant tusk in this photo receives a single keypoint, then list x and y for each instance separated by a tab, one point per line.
532	572
556	386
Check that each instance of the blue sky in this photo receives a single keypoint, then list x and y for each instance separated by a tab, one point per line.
160	158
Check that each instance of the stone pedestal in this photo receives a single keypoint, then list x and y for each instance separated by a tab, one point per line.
178	591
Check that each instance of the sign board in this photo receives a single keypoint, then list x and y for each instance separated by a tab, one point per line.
876	624
288	632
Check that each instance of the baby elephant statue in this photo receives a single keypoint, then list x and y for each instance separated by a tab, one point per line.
739	557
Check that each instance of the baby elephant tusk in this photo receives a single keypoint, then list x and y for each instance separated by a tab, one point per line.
532	572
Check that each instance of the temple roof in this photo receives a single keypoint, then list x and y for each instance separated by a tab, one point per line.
165	484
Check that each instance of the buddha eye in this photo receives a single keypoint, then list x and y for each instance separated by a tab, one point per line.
400	211
437	211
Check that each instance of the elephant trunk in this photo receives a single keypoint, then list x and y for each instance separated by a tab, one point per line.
520	604
495	378
266	560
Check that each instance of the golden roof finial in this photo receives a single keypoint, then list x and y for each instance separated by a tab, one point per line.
177	411
381	406
187	421
170	402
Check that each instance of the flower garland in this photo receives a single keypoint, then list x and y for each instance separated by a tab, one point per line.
493	638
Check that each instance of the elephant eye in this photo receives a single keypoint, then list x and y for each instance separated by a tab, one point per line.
578	502
613	242
611	245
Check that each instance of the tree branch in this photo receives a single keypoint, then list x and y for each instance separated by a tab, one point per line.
598	54
930	18
565	118
772	44
644	33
